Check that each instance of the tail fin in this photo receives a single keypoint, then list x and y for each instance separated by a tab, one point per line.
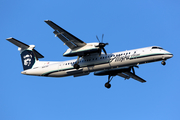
28	54
28	59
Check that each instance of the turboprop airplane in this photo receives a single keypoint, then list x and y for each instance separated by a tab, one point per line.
90	58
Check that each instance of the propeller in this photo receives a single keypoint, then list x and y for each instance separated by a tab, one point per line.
101	45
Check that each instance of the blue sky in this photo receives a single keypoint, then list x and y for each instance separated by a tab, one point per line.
125	24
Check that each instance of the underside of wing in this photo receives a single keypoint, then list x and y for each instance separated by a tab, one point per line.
128	75
70	40
124	72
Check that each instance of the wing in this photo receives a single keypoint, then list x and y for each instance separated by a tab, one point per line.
128	75
70	40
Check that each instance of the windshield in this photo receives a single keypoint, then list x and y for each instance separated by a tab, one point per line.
157	48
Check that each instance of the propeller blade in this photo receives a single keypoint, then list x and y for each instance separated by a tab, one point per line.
102	37
100	52
104	51
97	38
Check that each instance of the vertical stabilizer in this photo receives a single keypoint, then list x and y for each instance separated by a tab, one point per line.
28	54
28	59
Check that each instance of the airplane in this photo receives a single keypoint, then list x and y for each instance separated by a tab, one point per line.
90	58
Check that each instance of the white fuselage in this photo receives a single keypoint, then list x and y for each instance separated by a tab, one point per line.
94	62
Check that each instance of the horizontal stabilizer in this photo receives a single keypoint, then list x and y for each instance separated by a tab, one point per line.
18	43
24	46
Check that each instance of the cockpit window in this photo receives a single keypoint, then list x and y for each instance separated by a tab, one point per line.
157	48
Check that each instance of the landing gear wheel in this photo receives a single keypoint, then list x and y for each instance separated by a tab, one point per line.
163	63
107	85
76	66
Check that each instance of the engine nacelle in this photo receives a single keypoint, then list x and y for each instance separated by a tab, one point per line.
81	51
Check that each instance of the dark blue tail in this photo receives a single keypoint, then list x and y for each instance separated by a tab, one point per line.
28	59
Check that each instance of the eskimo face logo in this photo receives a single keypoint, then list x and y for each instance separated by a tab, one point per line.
27	60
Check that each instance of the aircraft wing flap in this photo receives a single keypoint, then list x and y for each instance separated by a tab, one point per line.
70	40
135	77
66	42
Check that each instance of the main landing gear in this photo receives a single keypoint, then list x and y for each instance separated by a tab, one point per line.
76	65
163	62
108	85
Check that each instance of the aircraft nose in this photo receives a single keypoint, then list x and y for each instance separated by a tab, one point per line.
171	55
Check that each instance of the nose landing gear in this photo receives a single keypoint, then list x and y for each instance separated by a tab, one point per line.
163	62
